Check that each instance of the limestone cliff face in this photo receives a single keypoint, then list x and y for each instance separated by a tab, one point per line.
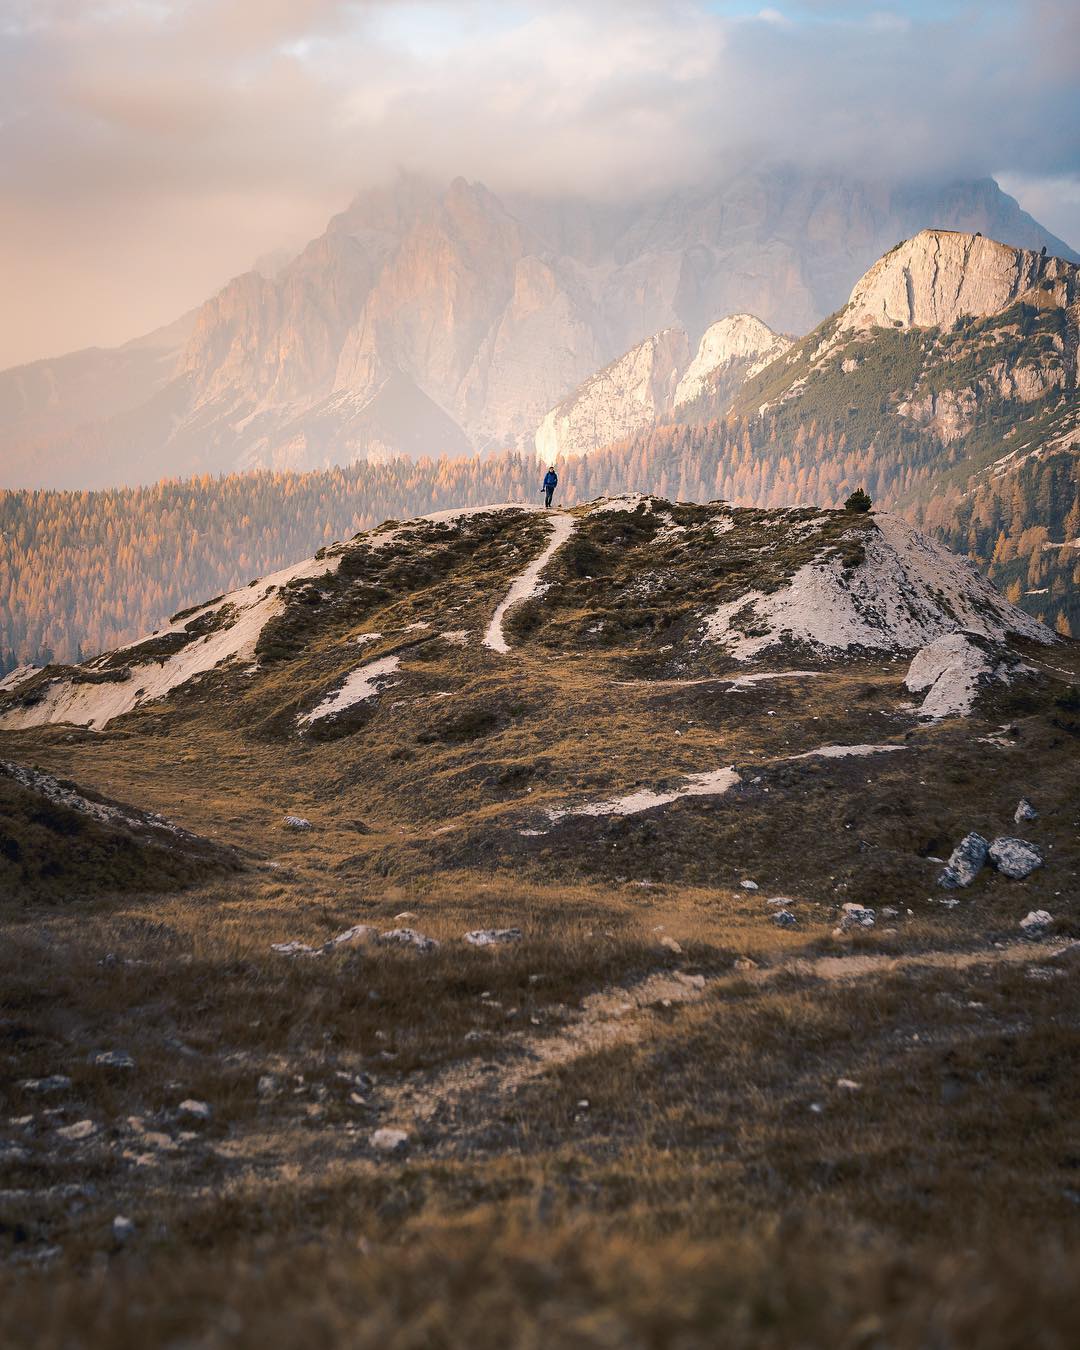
656	378
942	276
740	343
625	396
494	309
991	331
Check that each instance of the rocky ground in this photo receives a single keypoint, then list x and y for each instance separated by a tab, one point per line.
563	980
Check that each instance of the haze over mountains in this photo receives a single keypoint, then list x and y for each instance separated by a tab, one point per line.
434	320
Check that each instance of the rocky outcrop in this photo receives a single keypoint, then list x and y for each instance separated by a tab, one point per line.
656	378
492	309
625	396
951	671
939	277
965	862
739	344
905	592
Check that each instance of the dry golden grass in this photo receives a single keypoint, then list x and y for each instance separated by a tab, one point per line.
700	1198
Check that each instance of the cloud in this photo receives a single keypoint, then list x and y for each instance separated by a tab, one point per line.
150	148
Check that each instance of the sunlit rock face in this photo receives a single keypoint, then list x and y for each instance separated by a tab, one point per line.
941	276
493	308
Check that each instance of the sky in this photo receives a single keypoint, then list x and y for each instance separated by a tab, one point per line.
151	149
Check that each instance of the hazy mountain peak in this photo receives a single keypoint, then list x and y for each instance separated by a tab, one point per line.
495	309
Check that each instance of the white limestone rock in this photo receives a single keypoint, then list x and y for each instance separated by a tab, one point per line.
393	1142
907	592
939	276
492	937
407	937
739	339
855	916
1015	858
965	862
1036	924
625	396
952	669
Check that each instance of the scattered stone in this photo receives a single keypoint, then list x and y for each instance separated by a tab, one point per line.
123	1228
56	1082
267	1087
82	1129
889	912
407	937
356	936
406	916
390	1141
295	949
783	918
965	862
12	1153
1015	858
855	916
848	1084
691	981
491	937
1025	811
113	1059
671	945
195	1109
296	823
745	963
749	885
1036	924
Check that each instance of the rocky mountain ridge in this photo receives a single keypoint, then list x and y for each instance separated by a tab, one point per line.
681	591
986	327
478	314
655	379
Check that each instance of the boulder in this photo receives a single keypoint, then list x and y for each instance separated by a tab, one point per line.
952	669
1025	811
113	1059
82	1129
1036	923
295	949
56	1082
855	916
356	936
407	937
783	918
296	823
965	862
390	1141
492	937
1015	858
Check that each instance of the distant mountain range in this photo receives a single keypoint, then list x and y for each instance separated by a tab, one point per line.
433	320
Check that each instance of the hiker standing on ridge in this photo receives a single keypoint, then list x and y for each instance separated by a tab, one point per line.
551	482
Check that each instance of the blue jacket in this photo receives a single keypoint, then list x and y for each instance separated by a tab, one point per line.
551	479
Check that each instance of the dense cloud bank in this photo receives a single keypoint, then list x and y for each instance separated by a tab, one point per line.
151	147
